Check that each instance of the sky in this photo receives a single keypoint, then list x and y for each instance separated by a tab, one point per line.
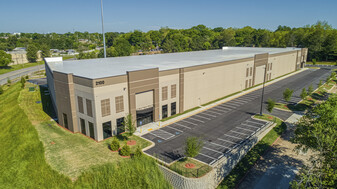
61	16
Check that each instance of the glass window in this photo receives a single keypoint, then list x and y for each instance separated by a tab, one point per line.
164	111
80	104
91	130
173	108
83	126
65	120
105	107
120	126
119	104
89	107
107	131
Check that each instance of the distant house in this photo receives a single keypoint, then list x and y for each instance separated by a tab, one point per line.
19	56
71	52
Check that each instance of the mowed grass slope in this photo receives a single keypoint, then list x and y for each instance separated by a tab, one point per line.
22	161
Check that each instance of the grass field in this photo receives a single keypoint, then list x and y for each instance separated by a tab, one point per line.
18	67
322	63
254	154
35	156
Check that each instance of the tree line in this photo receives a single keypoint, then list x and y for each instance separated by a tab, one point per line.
319	38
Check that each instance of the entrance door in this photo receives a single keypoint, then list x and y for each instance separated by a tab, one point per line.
144	116
107	131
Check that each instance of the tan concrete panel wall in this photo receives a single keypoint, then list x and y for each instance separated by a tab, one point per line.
260	72
283	64
65	99
204	85
111	91
169	80
144	99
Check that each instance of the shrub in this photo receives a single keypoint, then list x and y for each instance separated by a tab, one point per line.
9	81
125	151
333	75
270	105
193	146
138	152
304	93
1	90
314	61
310	89
114	146
287	94
27	77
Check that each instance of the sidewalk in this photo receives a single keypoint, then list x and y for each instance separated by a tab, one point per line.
156	125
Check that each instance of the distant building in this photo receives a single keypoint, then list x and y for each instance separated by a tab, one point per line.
19	56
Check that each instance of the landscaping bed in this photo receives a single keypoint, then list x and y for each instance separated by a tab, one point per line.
189	167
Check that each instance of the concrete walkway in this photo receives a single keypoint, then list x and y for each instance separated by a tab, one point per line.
156	125
279	166
19	73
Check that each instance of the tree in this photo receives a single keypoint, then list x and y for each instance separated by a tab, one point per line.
129	124
310	89
138	152
22	81
287	94
304	94
270	105
45	51
5	58
32	53
125	151
192	146
317	131
114	146
314	61
320	83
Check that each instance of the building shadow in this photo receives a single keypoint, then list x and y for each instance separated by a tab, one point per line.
46	101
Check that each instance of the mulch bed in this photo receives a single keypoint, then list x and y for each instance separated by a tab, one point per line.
189	165
131	142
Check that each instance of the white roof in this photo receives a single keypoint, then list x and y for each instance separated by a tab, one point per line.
107	67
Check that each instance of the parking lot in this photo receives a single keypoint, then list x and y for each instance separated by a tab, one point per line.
225	126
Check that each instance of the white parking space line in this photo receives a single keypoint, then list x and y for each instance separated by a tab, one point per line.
207	114
226	140
174	128
244	129
249	125
195	119
228	106
162	137
235	102
255	122
223	108
202	117
239	133
213	111
207	156
213	150
219	145
233	136
189	122
181	125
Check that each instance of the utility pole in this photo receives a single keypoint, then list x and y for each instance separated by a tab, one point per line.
103	28
264	80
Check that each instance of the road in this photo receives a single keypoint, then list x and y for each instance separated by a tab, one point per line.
19	73
224	126
322	66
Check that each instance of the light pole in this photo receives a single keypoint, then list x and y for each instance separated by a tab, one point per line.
103	28
264	80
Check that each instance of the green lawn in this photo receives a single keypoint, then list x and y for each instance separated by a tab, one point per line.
322	63
70	154
254	154
18	67
199	170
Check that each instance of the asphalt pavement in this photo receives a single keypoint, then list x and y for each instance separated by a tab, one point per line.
225	126
19	73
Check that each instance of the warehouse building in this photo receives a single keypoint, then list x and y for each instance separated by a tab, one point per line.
93	96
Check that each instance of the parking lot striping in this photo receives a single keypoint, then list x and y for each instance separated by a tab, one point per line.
228	106
238	101
223	108
239	133
249	125
182	125
207	114
227	140
161	136
220	110
235	102
244	128
195	119
189	122
241	100
233	136
213	150
255	122
219	145
207	156
174	128
202	117
214	112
